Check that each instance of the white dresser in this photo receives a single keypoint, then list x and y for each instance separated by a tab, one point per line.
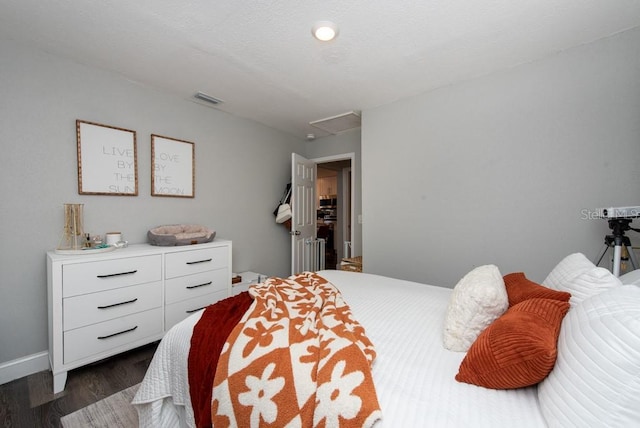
105	303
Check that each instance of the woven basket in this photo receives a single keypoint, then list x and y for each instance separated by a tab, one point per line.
353	264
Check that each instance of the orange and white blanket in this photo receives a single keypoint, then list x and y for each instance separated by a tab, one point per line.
296	359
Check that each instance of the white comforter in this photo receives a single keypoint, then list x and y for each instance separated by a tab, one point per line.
413	373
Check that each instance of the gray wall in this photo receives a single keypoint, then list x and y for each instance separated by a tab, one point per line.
502	168
496	170
348	142
241	170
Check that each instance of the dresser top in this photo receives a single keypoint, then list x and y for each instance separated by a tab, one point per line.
132	250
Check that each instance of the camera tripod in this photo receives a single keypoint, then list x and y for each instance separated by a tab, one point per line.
617	240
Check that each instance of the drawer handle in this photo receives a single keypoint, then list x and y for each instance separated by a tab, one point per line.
199	261
115	334
195	310
118	274
189	287
118	304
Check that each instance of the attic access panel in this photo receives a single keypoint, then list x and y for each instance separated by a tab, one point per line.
340	123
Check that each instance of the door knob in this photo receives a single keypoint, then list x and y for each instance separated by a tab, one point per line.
294	232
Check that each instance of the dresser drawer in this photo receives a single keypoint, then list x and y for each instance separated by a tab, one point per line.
176	312
109	335
189	286
91	277
195	261
93	308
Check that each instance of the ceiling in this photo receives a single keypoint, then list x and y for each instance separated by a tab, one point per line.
260	58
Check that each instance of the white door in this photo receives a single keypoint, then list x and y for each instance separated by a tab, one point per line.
303	211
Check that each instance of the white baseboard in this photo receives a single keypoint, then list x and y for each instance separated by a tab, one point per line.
21	367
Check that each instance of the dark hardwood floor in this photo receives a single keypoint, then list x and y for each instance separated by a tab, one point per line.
29	402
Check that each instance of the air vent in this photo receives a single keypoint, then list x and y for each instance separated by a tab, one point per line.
208	98
340	123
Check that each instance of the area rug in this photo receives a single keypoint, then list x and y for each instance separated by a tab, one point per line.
114	411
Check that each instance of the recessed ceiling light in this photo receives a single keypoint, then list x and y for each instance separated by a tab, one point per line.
324	30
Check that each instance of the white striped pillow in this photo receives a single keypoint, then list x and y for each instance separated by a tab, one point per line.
632	277
596	379
579	276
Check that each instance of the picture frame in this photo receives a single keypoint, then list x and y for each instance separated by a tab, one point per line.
172	167
107	160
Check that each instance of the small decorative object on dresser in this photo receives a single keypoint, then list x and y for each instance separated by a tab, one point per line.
113	238
180	234
104	304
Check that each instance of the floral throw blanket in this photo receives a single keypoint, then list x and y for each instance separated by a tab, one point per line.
296	359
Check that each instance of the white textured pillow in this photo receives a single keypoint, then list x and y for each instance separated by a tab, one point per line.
579	276
478	299
596	379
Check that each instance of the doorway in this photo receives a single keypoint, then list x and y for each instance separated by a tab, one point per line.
334	207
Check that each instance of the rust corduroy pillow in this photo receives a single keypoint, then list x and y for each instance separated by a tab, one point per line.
519	349
520	288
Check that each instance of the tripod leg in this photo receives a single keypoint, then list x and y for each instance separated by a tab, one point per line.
617	255
605	247
632	257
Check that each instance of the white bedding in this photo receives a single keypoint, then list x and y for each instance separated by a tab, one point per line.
413	373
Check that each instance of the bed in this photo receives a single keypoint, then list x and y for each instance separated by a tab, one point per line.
414	374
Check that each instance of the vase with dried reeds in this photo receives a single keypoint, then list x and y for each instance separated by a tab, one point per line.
73	233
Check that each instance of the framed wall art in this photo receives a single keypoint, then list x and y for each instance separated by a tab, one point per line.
173	167
107	160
